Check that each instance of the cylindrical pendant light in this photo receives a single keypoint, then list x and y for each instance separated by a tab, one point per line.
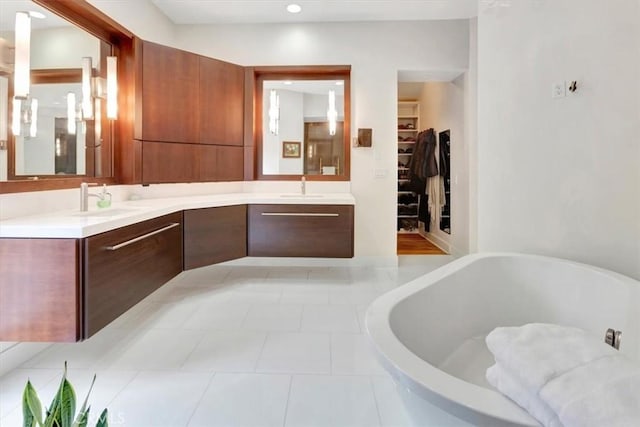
87	94
22	66
112	87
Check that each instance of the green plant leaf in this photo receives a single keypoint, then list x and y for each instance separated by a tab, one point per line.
103	421
67	404
53	412
84	411
31	406
83	418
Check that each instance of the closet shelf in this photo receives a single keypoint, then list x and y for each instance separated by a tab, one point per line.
408	125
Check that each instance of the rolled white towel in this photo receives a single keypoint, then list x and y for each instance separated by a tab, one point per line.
537	352
585	382
512	388
605	392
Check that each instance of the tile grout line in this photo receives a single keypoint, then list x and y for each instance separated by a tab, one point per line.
264	344
286	406
123	387
375	399
201	398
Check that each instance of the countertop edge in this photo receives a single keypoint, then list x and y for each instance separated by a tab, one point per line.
77	225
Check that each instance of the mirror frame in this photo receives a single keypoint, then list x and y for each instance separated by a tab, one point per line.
89	18
257	75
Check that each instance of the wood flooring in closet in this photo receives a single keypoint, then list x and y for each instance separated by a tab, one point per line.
415	244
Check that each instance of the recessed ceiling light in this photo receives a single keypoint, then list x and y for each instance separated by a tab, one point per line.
288	82
294	8
339	82
36	15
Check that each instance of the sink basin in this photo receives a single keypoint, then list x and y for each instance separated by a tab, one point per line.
302	196
107	213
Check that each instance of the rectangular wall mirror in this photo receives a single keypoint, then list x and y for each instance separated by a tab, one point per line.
302	108
53	136
305	107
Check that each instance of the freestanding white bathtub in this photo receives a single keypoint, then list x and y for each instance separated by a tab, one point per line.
429	334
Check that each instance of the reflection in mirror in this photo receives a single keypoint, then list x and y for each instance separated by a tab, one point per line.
53	141
309	112
58	147
444	146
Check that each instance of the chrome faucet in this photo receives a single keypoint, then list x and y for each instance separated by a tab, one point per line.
84	195
303	185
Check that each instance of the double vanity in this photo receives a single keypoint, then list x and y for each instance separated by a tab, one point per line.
64	276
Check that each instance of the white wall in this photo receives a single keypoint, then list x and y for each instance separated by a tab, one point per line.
4	125
141	17
471	132
376	51
442	107
63	48
560	176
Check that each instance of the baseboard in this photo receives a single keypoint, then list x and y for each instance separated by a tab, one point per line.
436	240
457	252
17	354
359	261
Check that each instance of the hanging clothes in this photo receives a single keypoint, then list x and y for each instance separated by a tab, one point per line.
436	195
423	162
423	165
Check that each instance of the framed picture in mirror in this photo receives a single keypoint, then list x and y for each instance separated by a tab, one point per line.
291	149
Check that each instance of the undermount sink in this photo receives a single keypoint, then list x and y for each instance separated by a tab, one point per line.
302	196
106	213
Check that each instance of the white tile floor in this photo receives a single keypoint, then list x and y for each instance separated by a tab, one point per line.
239	346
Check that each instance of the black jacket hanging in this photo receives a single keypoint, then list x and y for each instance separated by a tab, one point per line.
423	161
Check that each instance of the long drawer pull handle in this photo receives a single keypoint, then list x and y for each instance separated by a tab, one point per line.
298	214
144	236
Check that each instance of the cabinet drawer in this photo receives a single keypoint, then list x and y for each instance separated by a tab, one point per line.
125	265
300	231
214	235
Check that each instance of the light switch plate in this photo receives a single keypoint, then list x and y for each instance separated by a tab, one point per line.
380	173
558	90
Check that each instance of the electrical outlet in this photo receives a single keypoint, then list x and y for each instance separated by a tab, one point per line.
380	173
558	90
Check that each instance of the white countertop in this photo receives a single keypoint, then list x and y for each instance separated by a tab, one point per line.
76	224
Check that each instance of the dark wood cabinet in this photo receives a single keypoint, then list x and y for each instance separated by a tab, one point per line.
170	95
230	164
189	123
40	297
214	235
300	231
164	162
65	290
221	100
125	265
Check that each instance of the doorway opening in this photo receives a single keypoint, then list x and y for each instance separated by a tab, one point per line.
431	157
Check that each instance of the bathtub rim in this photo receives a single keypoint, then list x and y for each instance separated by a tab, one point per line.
463	399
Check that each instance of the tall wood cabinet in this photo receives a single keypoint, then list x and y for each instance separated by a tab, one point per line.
170	95
189	118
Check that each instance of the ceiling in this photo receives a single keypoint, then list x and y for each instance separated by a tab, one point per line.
271	11
8	9
274	11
